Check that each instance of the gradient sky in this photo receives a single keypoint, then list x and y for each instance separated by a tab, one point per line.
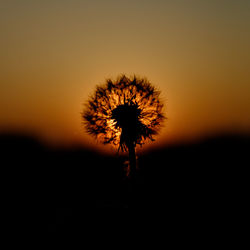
54	52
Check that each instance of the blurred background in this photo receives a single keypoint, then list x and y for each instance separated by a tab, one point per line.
54	53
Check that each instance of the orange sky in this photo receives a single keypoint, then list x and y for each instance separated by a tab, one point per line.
53	53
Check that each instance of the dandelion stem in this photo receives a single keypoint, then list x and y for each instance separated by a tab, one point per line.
132	160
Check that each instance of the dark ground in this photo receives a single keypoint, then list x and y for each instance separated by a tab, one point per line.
69	190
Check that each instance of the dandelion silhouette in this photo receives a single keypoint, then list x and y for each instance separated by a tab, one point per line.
125	113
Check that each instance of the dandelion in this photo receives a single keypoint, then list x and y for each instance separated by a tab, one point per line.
125	113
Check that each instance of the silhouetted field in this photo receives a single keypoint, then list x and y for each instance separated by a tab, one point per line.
52	190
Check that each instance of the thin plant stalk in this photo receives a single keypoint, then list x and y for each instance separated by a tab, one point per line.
132	161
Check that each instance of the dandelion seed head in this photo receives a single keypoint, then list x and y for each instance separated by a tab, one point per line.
124	112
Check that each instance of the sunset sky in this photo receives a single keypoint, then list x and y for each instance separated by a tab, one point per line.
54	52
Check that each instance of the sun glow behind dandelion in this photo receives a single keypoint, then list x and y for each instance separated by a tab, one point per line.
125	111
